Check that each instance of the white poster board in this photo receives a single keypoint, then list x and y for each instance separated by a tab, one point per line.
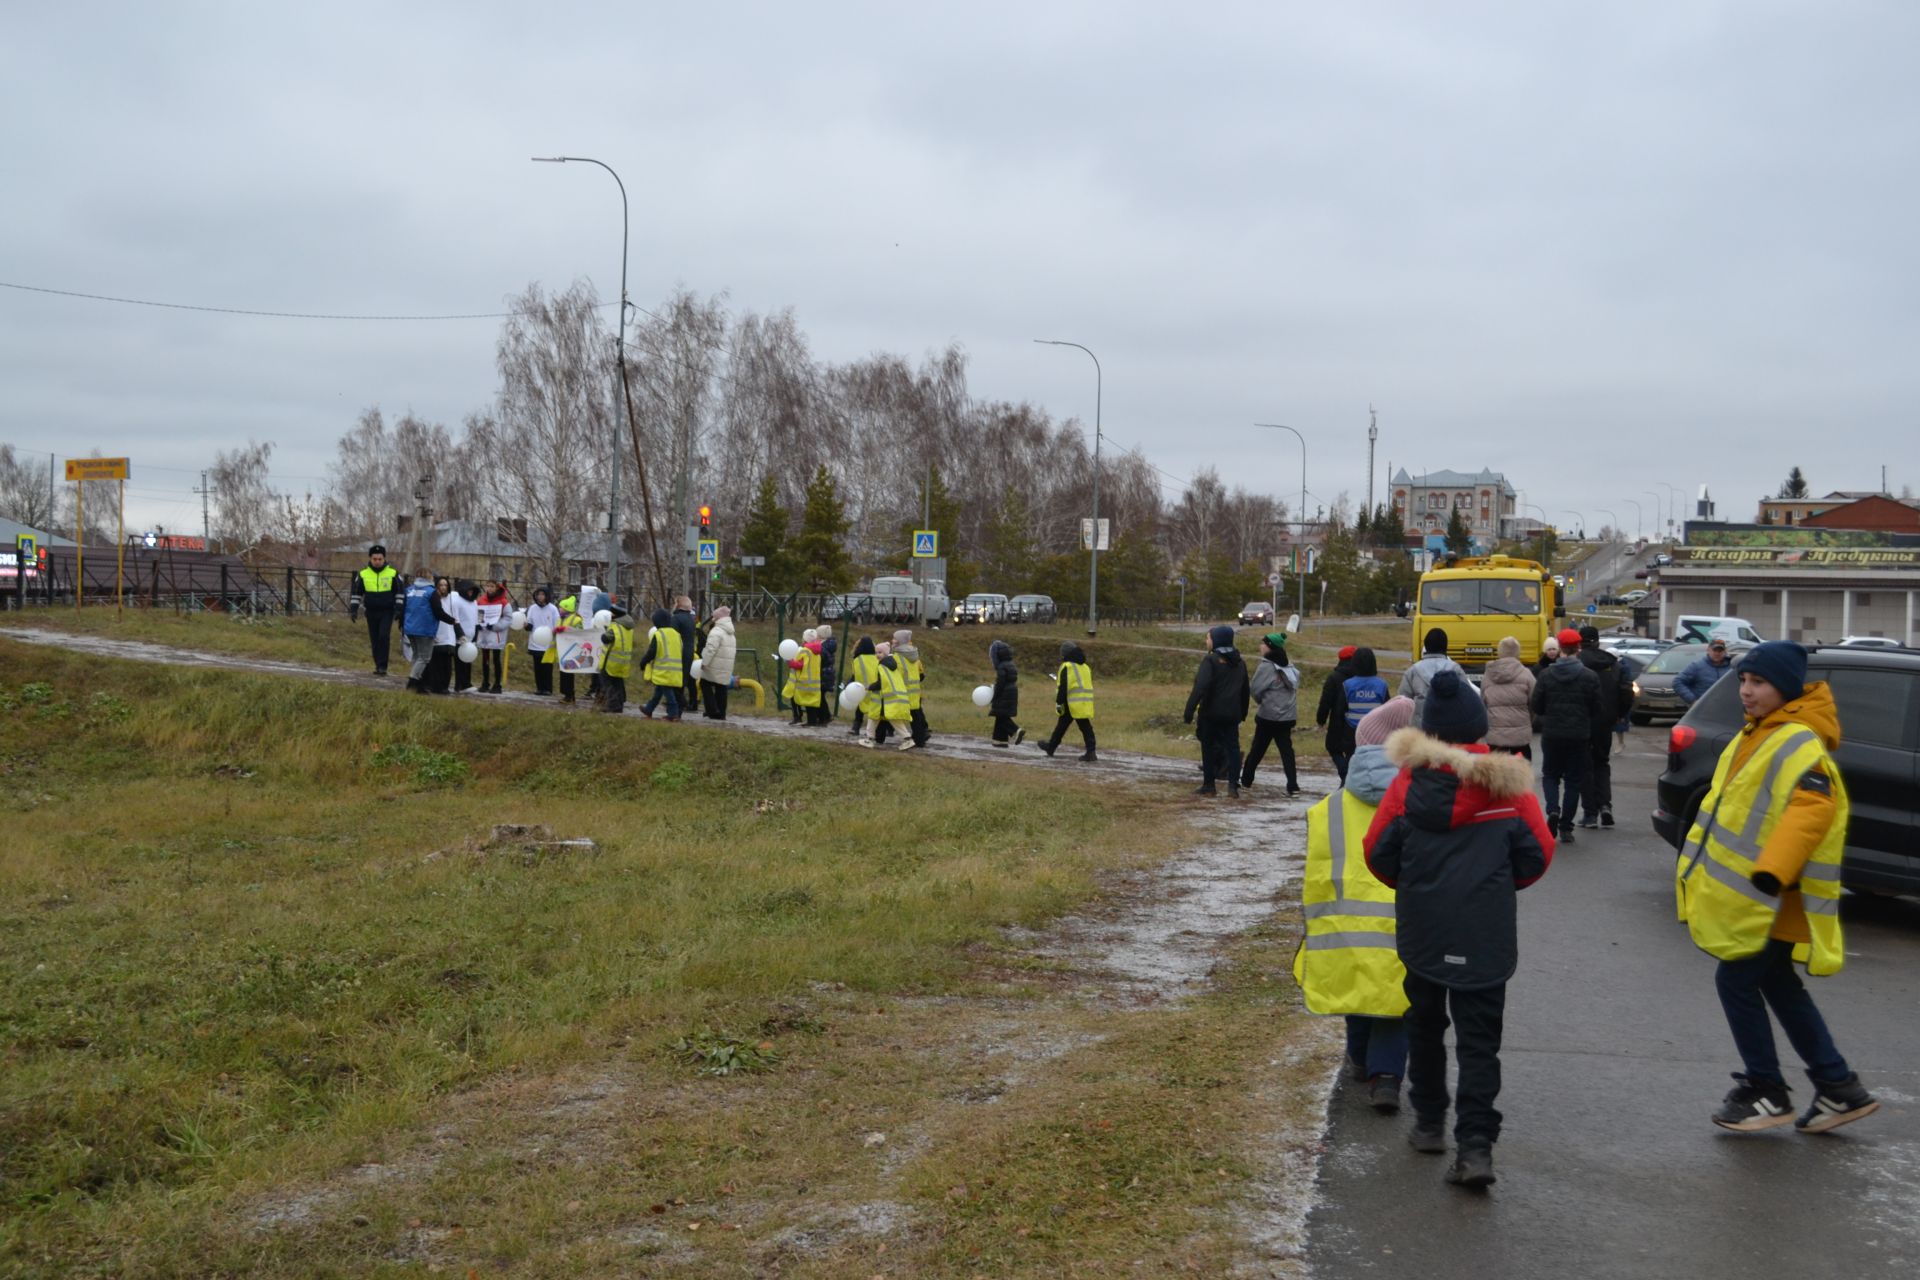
493	626
578	651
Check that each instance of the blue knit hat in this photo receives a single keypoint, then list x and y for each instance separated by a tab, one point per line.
1453	712
1781	663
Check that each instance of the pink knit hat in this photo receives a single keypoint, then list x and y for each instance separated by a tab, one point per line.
1378	724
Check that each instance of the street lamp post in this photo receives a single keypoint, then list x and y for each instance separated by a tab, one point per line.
1299	552
1093	570
626	398
1676	495
1659	501
1616	519
1639	518
1581	521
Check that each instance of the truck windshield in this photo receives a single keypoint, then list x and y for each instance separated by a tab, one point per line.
1512	596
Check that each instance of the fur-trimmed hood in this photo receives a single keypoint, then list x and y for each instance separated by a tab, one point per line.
1500	775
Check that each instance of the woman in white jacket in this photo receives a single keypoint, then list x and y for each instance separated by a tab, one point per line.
716	664
465	607
541	613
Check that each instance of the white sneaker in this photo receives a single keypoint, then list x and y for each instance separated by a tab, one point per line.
908	745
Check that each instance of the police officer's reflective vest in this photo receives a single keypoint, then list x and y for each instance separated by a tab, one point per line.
376	587
1728	917
806	681
866	670
893	693
619	651
914	674
1079	689
665	669
1347	963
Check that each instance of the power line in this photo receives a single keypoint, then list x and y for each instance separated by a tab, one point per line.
250	311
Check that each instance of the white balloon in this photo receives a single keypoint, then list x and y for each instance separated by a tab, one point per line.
852	695
518	622
542	637
789	650
697	667
982	695
603	619
467	652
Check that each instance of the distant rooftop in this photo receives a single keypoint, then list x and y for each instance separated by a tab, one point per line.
1453	479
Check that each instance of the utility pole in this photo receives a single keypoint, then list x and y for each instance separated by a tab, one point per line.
1373	436
206	521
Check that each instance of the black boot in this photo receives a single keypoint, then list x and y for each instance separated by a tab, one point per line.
1048	747
1205	789
1472	1168
1089	757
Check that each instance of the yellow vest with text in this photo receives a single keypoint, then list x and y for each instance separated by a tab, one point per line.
1728	917
866	669
1348	962
377	582
916	674
620	652
1079	689
665	670
894	706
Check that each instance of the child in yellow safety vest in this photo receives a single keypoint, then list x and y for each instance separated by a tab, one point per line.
1347	962
890	688
1073	699
864	671
570	620
618	640
914	672
1758	883
802	687
661	667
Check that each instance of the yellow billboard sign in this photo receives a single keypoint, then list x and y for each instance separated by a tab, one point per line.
97	469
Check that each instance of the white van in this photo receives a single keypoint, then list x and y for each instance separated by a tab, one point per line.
1699	628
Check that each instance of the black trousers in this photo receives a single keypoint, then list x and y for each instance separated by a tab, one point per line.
1004	728
1563	763
1596	785
714	701
462	675
440	668
380	636
1060	728
542	671
492	663
920	730
616	699
1219	749
1478	1019
690	692
1280	734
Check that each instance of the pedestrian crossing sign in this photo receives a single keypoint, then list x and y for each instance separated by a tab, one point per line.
926	544
709	551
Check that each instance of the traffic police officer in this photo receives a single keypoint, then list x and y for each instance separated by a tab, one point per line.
377	589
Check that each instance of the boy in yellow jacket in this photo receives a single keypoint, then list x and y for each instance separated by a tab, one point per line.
1759	888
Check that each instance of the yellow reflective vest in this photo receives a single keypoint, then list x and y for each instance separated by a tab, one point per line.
619	652
894	705
1728	917
665	669
915	674
866	669
806	681
1348	962
377	582
568	623
1079	689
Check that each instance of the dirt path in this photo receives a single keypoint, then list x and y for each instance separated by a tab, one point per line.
1147	946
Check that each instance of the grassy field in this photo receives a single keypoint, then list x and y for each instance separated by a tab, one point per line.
279	1003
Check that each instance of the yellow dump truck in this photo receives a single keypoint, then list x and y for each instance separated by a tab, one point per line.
1478	599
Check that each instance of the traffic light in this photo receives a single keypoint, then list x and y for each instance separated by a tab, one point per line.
706	517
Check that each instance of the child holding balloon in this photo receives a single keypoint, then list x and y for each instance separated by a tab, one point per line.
1004	704
541	618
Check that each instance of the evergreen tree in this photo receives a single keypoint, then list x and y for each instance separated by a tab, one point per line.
821	548
1795	485
1008	562
1459	537
1133	575
765	533
1388	529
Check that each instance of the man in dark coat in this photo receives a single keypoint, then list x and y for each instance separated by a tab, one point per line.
1220	697
1616	699
1332	712
688	626
379	589
1566	697
829	672
1006	695
1456	836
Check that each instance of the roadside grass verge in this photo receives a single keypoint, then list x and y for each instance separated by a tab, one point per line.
330	641
254	932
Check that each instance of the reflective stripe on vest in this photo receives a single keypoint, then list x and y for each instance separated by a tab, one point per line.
893	695
1727	916
866	670
1079	689
1348	962
915	675
620	652
378	581
665	670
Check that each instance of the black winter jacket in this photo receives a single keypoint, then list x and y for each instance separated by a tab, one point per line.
1616	687
1006	681
1457	835
1220	688
1332	711
1566	697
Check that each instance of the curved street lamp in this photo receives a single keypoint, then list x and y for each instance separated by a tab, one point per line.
1093	571
1299	551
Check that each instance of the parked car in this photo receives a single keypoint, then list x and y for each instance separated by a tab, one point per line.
1870	642
1634	596
1256	613
1653	693
981	606
1032	608
851	606
1878	694
1640	574
1662	560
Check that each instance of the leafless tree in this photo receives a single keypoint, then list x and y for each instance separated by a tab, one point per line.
245	507
25	494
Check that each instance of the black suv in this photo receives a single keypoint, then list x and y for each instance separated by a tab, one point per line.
1878	695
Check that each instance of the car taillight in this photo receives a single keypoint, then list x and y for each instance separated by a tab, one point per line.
1680	737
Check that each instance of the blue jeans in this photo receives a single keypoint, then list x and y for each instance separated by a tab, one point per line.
671	694
1748	988
1379	1044
1563	763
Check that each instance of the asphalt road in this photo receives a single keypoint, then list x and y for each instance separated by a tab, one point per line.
1615	1054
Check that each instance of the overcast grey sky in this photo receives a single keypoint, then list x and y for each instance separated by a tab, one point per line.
1596	246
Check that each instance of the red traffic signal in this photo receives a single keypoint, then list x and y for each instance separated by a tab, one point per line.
706	517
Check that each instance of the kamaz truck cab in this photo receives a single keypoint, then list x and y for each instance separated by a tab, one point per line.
1477	600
